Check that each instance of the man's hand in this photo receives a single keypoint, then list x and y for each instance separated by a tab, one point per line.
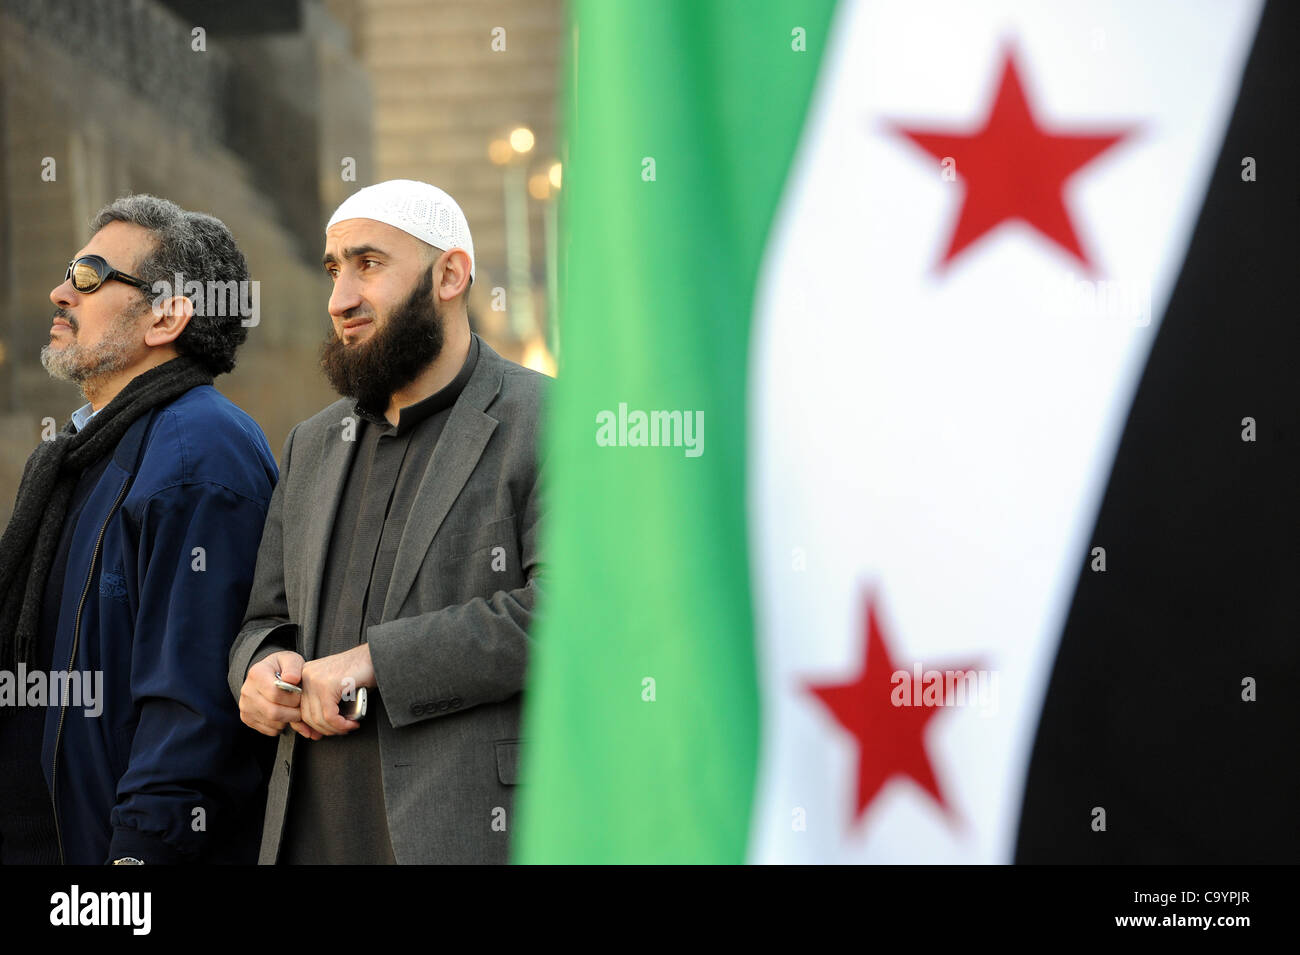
267	708
324	682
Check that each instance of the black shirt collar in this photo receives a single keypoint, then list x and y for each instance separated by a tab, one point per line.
443	398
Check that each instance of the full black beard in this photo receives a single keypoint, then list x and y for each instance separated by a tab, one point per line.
393	357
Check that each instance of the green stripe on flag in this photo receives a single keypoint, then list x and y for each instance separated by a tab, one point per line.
646	548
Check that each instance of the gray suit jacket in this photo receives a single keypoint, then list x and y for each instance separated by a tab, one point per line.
451	646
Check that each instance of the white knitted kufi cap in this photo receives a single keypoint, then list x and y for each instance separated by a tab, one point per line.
417	208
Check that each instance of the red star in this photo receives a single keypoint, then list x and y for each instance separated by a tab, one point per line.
890	738
1013	168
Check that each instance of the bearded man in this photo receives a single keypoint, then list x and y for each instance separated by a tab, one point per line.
399	561
126	566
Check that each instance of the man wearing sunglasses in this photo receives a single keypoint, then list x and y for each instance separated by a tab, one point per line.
127	563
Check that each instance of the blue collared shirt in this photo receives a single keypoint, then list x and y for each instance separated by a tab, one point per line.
82	415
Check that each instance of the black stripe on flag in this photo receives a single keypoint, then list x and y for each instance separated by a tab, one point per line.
1144	716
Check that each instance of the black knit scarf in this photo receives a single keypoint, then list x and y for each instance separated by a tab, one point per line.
29	544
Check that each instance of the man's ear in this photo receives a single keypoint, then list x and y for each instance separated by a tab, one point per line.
451	274
170	316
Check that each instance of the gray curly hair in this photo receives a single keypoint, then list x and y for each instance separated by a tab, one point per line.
197	247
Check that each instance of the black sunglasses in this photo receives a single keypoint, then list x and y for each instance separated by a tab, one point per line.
89	272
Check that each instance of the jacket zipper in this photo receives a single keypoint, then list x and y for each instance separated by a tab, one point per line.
76	636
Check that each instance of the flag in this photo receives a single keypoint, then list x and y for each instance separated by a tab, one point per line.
918	454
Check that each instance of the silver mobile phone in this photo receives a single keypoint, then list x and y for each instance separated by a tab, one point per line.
280	684
355	708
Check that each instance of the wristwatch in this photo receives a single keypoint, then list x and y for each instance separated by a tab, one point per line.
128	860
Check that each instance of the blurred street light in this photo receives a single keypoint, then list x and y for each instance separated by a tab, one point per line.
539	186
521	139
538	357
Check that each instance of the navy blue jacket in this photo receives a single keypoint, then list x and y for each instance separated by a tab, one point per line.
157	580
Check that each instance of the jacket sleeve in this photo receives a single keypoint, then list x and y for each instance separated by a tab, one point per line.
268	607
191	772
448	660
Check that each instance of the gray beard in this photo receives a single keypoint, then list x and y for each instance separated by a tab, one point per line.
81	364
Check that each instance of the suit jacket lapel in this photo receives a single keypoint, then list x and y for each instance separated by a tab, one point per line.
331	475
459	447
